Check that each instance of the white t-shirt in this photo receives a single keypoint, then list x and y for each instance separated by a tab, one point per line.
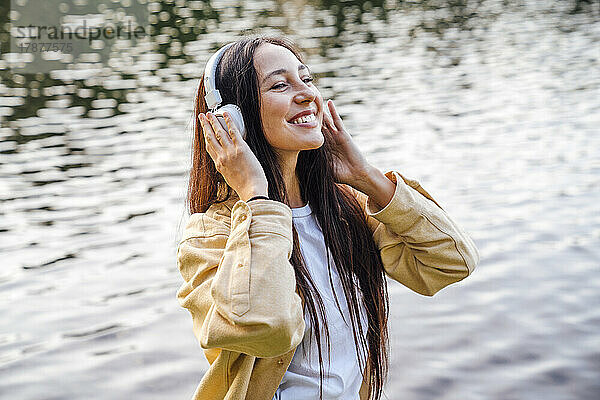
343	377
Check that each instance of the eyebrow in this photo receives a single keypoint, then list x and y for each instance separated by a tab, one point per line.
282	71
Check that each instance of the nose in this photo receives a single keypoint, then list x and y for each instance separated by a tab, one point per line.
305	94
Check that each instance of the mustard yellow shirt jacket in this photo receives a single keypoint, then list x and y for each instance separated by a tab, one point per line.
240	286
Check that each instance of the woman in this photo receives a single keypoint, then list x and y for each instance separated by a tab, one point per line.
291	235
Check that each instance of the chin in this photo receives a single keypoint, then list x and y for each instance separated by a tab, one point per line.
317	140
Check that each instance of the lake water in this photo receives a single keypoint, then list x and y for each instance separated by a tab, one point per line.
494	108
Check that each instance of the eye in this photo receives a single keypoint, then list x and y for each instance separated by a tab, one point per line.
308	79
279	85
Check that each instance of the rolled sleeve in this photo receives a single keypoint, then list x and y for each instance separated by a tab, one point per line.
420	245
240	285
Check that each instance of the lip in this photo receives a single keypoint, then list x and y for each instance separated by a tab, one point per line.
312	124
302	114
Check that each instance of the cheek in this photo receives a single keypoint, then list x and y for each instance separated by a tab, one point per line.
319	102
273	104
319	96
273	112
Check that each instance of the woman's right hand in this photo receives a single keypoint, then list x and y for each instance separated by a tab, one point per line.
232	157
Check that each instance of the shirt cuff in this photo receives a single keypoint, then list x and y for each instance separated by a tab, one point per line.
403	208
264	216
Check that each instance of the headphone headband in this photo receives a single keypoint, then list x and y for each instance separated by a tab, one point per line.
213	96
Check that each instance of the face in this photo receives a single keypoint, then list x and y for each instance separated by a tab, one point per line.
291	106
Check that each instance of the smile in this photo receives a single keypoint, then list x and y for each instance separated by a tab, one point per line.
304	120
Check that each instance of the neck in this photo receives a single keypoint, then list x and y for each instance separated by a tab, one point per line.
292	185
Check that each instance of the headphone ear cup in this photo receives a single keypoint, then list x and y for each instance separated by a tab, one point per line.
236	115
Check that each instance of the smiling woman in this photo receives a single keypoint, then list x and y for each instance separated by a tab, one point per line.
291	235
291	106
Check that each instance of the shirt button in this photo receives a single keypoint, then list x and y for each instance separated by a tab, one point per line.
240	265
243	217
280	362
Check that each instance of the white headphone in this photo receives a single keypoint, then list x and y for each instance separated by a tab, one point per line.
213	96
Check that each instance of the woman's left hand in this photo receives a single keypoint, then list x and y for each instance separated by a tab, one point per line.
350	166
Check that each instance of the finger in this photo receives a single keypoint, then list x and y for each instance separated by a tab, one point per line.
326	118
337	120
234	133
218	130
209	137
212	129
328	122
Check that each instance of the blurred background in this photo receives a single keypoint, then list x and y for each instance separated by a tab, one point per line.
494	106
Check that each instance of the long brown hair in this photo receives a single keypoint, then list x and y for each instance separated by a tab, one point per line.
337	211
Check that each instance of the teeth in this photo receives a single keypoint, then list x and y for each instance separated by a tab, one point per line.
306	118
